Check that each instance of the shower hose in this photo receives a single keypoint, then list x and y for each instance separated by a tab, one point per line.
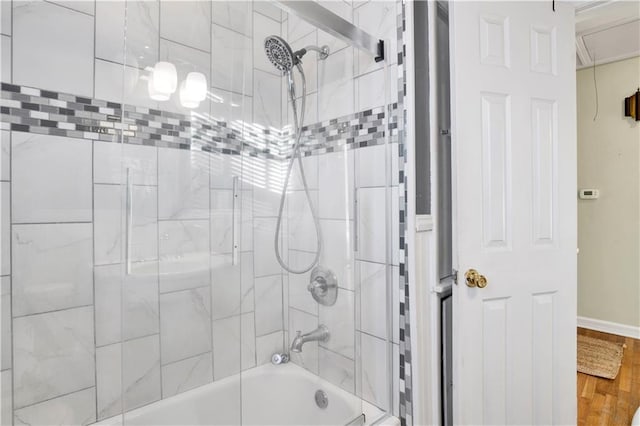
296	155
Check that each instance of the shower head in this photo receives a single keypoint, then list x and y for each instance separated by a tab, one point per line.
283	57
279	53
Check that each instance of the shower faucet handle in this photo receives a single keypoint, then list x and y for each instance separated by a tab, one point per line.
318	286
323	286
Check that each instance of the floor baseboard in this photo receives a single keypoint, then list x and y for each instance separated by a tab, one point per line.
609	327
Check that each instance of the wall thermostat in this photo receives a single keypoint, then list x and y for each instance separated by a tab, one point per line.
589	194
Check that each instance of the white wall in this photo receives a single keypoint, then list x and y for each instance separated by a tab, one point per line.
609	228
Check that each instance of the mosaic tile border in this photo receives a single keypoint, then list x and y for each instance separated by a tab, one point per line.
366	128
27	109
406	394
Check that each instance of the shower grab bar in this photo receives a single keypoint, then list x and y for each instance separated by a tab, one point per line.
128	221
234	222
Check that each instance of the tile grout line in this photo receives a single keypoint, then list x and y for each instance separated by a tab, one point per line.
158	237
119	184
93	276
111	61
54	311
236	32
89	222
286	302
266	16
198	355
293	308
242	208
131	339
210	201
10	212
55	397
183	44
210	218
123	213
227	317
64	7
233	92
253	217
93	63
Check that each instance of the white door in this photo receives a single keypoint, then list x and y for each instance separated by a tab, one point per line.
514	144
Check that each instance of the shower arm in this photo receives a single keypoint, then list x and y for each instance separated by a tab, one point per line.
323	52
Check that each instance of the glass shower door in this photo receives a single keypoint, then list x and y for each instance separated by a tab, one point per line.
356	97
349	159
206	304
187	303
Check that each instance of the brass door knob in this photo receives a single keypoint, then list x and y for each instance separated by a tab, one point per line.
474	279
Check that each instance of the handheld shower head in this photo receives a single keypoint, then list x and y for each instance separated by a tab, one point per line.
279	53
283	57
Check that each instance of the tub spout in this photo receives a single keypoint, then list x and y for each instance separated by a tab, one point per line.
320	334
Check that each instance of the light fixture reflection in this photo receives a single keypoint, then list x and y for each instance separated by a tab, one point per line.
193	90
153	94
187	99
163	81
196	85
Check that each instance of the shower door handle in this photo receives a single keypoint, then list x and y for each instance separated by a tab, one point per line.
356	222
128	221
235	222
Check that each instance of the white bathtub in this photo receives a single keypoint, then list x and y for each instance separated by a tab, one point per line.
271	395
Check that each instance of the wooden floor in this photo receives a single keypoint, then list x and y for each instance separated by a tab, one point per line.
611	402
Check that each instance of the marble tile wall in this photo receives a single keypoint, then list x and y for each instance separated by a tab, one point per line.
177	325
67	293
6	354
77	319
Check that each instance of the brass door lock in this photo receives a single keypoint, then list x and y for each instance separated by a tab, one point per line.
474	279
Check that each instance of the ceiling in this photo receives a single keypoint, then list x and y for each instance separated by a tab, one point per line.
606	31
